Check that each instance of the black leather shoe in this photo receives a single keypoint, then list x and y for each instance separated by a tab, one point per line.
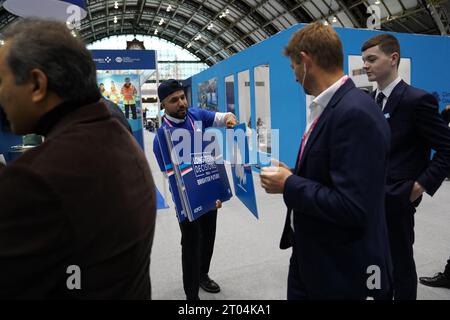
439	280
209	285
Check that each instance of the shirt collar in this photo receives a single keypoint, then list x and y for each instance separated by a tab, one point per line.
325	96
321	101
390	87
175	120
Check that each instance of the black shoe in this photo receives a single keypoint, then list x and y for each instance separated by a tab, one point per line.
439	280
209	285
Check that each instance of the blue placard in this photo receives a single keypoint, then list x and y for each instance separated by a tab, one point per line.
124	59
197	183
244	187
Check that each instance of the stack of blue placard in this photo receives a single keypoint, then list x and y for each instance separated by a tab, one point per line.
196	180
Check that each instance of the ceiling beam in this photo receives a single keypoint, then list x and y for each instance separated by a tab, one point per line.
173	16
439	16
90	18
124	4
349	14
230	27
107	16
154	17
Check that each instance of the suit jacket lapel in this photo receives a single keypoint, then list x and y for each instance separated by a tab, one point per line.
348	85
394	99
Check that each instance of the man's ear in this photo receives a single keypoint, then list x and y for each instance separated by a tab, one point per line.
395	58
39	83
306	58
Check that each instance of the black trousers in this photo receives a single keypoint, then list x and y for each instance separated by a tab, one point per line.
400	223
197	246
296	289
133	111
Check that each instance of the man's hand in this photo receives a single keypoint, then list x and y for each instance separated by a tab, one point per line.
218	204
416	192
274	178
277	163
230	120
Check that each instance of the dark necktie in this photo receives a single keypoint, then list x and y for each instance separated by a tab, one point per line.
380	98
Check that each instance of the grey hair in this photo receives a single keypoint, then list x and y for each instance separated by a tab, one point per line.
50	47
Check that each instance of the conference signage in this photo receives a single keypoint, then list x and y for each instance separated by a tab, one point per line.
242	171
124	59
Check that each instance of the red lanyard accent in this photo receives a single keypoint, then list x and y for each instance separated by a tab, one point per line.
311	128
171	125
305	138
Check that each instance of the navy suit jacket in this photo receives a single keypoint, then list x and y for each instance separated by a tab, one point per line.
337	197
416	129
446	115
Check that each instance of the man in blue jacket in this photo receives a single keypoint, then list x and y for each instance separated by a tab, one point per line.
335	195
197	237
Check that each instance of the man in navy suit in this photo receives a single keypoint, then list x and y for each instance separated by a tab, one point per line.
416	128
335	195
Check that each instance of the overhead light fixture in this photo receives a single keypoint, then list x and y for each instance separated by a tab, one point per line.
210	27
198	37
325	22
156	32
161	21
334	20
74	34
169	8
224	14
115	19
116	5
2	42
377	2
189	45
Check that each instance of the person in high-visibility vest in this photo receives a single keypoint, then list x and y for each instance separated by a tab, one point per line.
114	95
129	93
103	91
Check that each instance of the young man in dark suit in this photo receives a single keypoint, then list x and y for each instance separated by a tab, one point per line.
76	219
416	128
441	279
335	195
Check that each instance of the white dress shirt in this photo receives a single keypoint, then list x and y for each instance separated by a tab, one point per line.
388	90
316	108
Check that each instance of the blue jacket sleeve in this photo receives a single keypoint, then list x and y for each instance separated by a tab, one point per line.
158	156
207	117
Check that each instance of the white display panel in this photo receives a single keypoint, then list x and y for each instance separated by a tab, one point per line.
244	97
229	94
262	106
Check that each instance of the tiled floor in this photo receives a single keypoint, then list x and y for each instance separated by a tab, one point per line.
247	262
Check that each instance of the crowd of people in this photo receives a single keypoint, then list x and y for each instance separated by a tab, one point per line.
72	216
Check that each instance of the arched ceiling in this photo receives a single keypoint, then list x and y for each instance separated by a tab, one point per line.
247	21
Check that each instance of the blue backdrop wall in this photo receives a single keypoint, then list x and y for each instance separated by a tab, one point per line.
430	70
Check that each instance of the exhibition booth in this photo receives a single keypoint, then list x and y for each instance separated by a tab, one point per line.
259	86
